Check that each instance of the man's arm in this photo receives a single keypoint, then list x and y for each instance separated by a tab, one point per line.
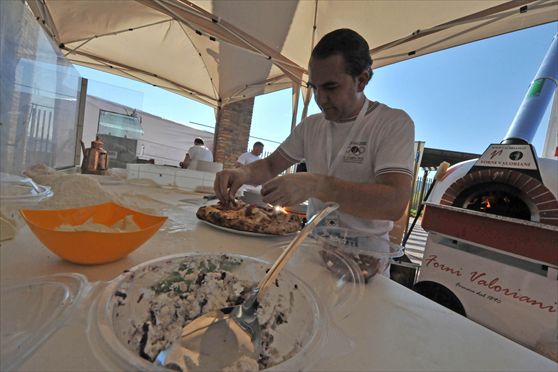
184	163
385	199
228	182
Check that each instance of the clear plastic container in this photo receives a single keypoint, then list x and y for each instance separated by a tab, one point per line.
128	299
20	192
48	302
371	254
56	300
21	189
340	291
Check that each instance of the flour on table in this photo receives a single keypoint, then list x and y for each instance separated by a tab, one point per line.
7	228
143	202
42	174
76	190
142	182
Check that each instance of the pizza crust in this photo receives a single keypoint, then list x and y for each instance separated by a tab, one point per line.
251	218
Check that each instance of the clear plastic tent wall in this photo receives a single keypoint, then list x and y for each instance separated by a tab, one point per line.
39	95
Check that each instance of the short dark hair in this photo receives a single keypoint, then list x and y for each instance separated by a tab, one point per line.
350	45
198	141
258	144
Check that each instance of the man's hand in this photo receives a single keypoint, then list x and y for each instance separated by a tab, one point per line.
291	189
227	183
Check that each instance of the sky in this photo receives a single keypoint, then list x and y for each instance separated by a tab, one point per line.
460	99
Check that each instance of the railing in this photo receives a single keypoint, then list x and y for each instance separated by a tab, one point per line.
39	144
419	191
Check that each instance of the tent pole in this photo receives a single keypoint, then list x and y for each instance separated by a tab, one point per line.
295	99
307	96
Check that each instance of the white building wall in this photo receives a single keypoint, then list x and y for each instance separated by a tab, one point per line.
163	140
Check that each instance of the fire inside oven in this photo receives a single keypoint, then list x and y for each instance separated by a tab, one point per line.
499	199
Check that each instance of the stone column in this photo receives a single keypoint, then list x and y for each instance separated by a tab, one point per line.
232	131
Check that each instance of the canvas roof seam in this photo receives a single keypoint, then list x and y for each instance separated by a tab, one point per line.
452	36
491	19
123	70
237	35
181	22
279	62
112	33
467	19
199	95
296	76
236	96
77	47
48	22
314	25
159	6
212	83
189	7
282	62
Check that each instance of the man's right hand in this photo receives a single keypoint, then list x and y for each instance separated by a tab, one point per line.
227	183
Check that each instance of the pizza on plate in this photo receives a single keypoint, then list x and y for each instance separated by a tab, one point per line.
251	218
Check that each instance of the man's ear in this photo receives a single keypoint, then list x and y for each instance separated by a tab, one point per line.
363	79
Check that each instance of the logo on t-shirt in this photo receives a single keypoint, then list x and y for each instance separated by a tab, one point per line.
355	152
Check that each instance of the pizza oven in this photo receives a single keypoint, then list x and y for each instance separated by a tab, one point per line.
503	192
509	180
501	225
492	223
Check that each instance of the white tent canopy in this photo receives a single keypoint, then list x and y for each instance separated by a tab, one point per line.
217	51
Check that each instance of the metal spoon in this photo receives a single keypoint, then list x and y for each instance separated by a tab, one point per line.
219	338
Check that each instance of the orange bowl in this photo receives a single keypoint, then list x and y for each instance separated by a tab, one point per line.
91	247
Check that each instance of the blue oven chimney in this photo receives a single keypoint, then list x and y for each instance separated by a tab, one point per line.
531	111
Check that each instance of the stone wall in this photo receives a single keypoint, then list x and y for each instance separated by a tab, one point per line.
232	131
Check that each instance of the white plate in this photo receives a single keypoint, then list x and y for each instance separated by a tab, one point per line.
247	233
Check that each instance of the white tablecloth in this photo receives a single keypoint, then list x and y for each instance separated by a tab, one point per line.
392	328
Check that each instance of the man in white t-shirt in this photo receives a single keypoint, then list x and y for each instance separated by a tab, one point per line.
358	153
197	152
251	156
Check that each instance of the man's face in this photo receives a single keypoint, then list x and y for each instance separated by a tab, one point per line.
336	92
257	150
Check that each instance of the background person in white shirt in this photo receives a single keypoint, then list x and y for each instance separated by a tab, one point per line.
251	156
247	158
197	152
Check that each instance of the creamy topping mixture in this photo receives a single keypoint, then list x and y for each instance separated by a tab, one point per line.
195	288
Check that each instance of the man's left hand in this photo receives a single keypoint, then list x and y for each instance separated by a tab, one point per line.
291	189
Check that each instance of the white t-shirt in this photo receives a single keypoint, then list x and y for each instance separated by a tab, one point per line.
200	152
382	142
248	158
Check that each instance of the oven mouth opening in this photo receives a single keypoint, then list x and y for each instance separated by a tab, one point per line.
498	199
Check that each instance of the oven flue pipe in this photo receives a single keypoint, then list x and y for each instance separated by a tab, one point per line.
531	111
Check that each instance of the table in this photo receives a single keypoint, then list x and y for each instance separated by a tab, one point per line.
392	327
